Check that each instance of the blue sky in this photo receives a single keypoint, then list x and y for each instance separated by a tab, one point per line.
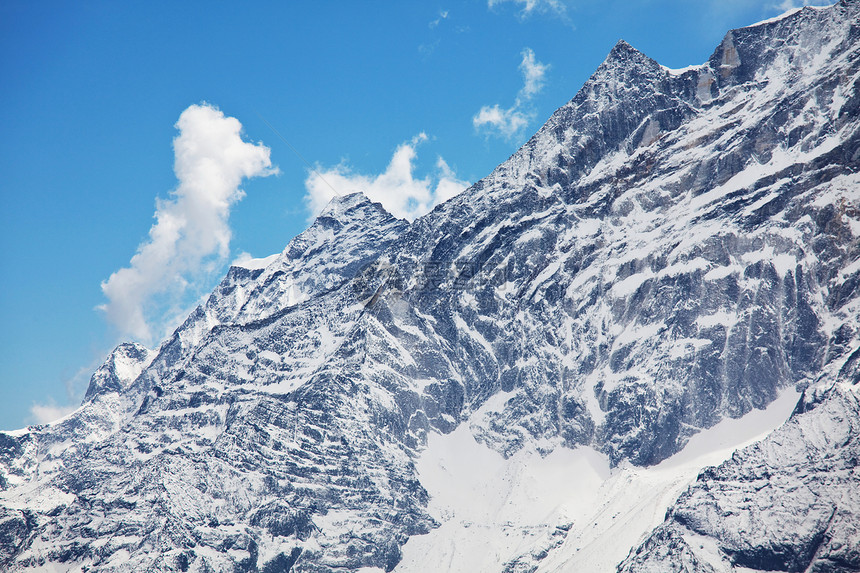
367	92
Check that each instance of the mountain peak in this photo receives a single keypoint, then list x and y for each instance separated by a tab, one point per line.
349	233
622	46
623	52
122	366
346	207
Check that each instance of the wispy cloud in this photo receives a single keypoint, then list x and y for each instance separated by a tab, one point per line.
509	122
529	7
397	188
533	72
787	5
50	412
50	409
493	120
191	234
436	25
443	15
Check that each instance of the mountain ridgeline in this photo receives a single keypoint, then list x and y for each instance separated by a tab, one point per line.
671	249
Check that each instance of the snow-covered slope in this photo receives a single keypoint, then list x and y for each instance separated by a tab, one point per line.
567	511
670	256
788	503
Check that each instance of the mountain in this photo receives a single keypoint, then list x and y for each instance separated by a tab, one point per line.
549	372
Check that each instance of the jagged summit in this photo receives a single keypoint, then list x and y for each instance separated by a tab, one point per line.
123	365
668	254
346	236
351	205
623	54
621	47
351	210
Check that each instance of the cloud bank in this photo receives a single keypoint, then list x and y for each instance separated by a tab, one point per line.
508	123
400	192
191	235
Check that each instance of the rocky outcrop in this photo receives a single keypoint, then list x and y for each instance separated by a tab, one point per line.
788	503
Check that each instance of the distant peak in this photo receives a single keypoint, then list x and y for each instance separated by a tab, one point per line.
623	54
623	46
346	207
340	204
122	366
133	350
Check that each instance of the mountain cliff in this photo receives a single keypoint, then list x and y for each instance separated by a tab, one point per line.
672	251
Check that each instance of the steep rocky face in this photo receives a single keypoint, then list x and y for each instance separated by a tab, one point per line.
122	367
670	249
211	470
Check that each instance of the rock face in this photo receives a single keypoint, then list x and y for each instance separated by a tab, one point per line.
670	249
789	503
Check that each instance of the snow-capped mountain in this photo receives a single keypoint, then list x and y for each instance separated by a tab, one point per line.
528	377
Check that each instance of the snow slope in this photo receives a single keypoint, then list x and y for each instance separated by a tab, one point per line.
564	512
790	502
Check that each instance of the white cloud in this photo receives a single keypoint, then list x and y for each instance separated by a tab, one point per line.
529	7
447	184
505	122
508	123
191	235
400	192
533	72
443	14
47	413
